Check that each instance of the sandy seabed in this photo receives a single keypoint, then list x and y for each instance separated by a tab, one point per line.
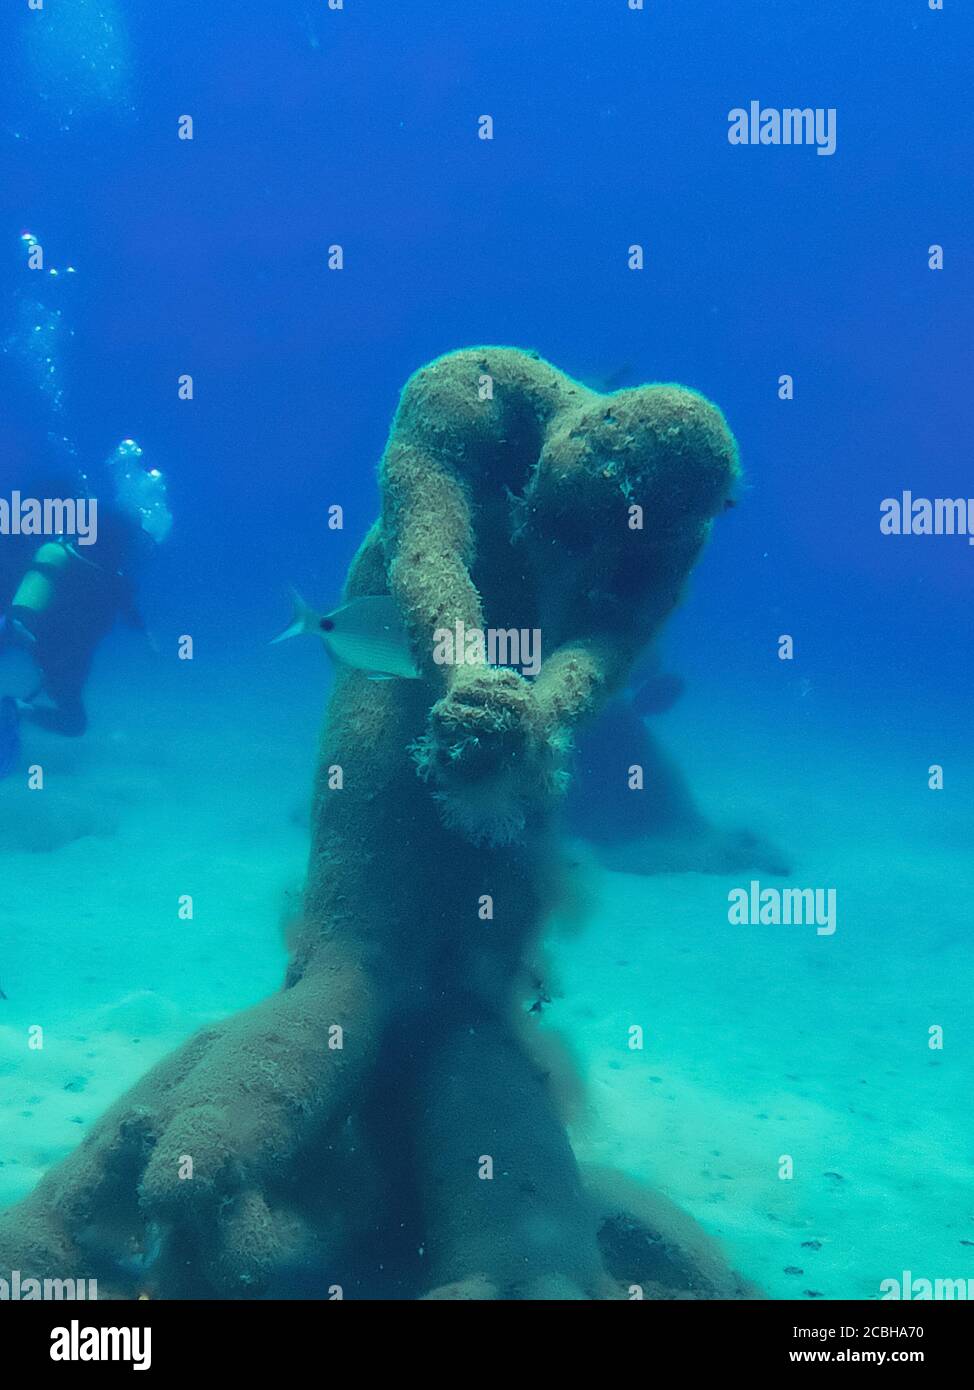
759	1042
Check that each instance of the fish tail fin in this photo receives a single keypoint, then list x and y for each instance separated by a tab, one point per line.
303	619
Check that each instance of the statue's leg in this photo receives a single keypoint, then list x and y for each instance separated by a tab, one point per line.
652	1249
505	1211
186	1183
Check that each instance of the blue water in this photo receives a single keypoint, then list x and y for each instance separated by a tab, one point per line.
314	127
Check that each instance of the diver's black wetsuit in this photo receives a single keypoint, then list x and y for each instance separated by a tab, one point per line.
86	589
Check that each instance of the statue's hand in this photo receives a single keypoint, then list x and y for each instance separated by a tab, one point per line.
488	754
481	725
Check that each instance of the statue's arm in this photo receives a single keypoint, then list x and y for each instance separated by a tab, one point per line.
461	422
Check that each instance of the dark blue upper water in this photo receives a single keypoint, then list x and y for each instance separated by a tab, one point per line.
359	126
315	127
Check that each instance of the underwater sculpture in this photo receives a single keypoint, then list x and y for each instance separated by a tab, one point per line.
381	1124
662	829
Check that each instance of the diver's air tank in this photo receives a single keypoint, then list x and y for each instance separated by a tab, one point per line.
38	588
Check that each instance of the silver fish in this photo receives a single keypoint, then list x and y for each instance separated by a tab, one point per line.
367	634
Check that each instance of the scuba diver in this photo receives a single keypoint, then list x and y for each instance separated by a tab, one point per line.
70	596
60	595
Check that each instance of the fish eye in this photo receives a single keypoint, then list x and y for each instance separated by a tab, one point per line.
326	624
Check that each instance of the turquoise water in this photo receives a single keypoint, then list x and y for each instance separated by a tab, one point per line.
765	1044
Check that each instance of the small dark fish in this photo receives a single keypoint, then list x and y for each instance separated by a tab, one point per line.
9	735
612	381
658	694
543	998
3	996
608	382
